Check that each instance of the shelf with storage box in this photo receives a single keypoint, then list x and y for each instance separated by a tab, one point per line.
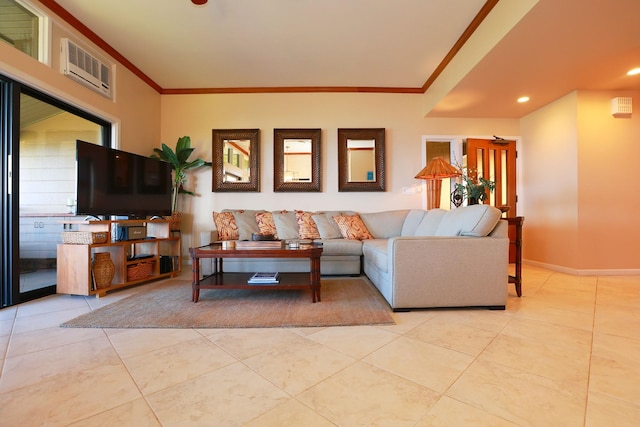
155	255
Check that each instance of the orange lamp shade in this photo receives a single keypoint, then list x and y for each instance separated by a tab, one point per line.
436	170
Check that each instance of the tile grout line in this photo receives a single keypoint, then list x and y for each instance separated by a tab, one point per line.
593	331
6	349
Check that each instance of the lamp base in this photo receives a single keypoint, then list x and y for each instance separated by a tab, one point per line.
434	188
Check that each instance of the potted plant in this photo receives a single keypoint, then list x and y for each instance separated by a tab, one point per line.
179	160
473	189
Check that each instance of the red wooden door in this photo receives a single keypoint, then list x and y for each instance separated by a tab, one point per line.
495	160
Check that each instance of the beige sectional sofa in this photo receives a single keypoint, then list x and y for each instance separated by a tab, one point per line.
415	258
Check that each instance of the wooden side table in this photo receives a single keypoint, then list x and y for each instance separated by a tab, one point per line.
515	250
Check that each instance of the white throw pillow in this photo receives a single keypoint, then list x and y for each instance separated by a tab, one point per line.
327	227
286	224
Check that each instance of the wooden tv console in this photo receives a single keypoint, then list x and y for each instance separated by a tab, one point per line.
160	252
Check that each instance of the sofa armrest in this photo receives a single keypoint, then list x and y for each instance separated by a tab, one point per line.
455	271
207	237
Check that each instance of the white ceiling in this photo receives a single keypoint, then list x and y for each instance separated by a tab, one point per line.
557	47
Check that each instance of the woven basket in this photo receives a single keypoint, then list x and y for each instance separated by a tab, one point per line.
139	271
174	221
85	237
103	270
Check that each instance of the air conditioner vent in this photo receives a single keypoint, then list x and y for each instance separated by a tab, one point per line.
85	68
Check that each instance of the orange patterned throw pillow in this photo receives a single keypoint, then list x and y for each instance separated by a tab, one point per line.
352	227
226	225
307	228
266	224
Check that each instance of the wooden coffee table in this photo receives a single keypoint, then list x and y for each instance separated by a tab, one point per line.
221	280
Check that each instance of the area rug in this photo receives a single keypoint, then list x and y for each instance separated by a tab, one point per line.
345	302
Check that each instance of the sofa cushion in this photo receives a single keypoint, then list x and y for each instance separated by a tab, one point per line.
430	222
306	226
352	227
286	224
412	221
341	247
474	220
383	225
226	224
376	253
266	225
327	227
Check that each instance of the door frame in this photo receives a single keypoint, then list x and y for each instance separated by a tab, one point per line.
457	142
10	91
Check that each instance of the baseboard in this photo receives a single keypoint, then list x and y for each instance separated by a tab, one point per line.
585	272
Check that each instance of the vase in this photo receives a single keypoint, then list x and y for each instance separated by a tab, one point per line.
103	270
472	201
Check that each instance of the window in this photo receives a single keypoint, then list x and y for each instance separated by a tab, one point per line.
25	28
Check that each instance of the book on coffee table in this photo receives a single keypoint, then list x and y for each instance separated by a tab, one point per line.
259	244
263	279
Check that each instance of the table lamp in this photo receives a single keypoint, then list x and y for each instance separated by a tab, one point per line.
436	170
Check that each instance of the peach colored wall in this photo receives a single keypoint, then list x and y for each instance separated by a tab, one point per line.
399	114
135	110
608	153
549	174
578	165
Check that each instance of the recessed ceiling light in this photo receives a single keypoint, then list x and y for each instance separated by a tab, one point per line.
523	99
634	72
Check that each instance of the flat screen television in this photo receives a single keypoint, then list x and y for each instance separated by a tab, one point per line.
113	182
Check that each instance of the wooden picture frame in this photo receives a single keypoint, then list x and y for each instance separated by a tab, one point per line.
246	141
283	179
375	177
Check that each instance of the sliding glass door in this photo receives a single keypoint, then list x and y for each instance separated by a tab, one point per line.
41	191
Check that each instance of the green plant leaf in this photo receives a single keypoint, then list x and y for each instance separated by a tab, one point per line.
184	143
179	163
183	155
194	164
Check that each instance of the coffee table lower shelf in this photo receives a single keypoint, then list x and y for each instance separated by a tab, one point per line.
288	281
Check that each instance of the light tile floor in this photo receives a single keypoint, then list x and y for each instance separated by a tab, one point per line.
565	354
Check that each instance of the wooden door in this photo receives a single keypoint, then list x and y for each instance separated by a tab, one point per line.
495	160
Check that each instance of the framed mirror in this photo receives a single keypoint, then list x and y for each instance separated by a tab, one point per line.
235	160
361	159
296	160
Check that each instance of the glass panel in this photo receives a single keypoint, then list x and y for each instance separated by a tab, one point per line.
362	160
47	184
19	27
297	160
504	175
442	149
236	160
480	161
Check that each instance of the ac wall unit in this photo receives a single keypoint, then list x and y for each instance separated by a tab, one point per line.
85	68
